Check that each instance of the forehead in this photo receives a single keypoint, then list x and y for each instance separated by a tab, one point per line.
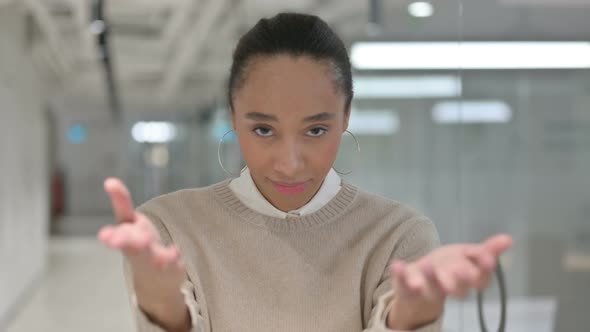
289	86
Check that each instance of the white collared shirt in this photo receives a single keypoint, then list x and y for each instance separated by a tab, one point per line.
246	190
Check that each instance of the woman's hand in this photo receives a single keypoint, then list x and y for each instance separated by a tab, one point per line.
422	286
158	271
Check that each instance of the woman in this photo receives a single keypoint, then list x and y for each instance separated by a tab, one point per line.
288	245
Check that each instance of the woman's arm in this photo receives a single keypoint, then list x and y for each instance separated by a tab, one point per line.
171	314
423	286
153	266
419	238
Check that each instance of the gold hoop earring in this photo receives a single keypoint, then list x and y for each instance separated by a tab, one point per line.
358	148
219	157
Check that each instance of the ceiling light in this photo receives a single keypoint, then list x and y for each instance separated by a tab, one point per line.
420	9
470	55
484	111
383	87
153	132
374	122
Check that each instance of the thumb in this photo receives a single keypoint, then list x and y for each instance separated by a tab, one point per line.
497	244
120	200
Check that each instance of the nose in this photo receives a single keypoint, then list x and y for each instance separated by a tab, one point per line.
289	160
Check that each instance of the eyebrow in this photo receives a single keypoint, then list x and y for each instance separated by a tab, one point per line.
320	117
257	116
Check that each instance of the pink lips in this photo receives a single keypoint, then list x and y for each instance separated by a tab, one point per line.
290	188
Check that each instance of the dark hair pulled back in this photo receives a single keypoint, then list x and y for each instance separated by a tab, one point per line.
296	35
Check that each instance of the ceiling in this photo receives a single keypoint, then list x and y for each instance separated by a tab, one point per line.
180	50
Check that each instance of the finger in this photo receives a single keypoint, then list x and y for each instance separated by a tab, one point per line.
433	289
445	281
173	256
146	225
137	240
163	257
399	271
122	236
467	274
463	276
498	244
105	233
480	255
479	267
112	236
120	200
416	280
142	221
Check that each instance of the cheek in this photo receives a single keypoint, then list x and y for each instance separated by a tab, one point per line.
254	154
246	146
325	154
332	147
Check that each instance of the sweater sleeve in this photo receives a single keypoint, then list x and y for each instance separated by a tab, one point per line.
143	322
418	241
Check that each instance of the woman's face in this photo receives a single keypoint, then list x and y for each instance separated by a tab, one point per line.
289	118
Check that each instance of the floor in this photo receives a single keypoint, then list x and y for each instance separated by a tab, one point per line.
83	290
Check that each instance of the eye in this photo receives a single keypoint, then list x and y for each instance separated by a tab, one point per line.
263	131
317	132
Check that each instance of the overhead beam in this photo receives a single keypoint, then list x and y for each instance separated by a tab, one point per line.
191	46
146	4
7	2
51	31
81	10
179	20
333	10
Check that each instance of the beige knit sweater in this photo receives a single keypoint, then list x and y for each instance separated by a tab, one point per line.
326	271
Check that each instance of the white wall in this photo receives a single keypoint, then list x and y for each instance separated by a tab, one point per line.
24	199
